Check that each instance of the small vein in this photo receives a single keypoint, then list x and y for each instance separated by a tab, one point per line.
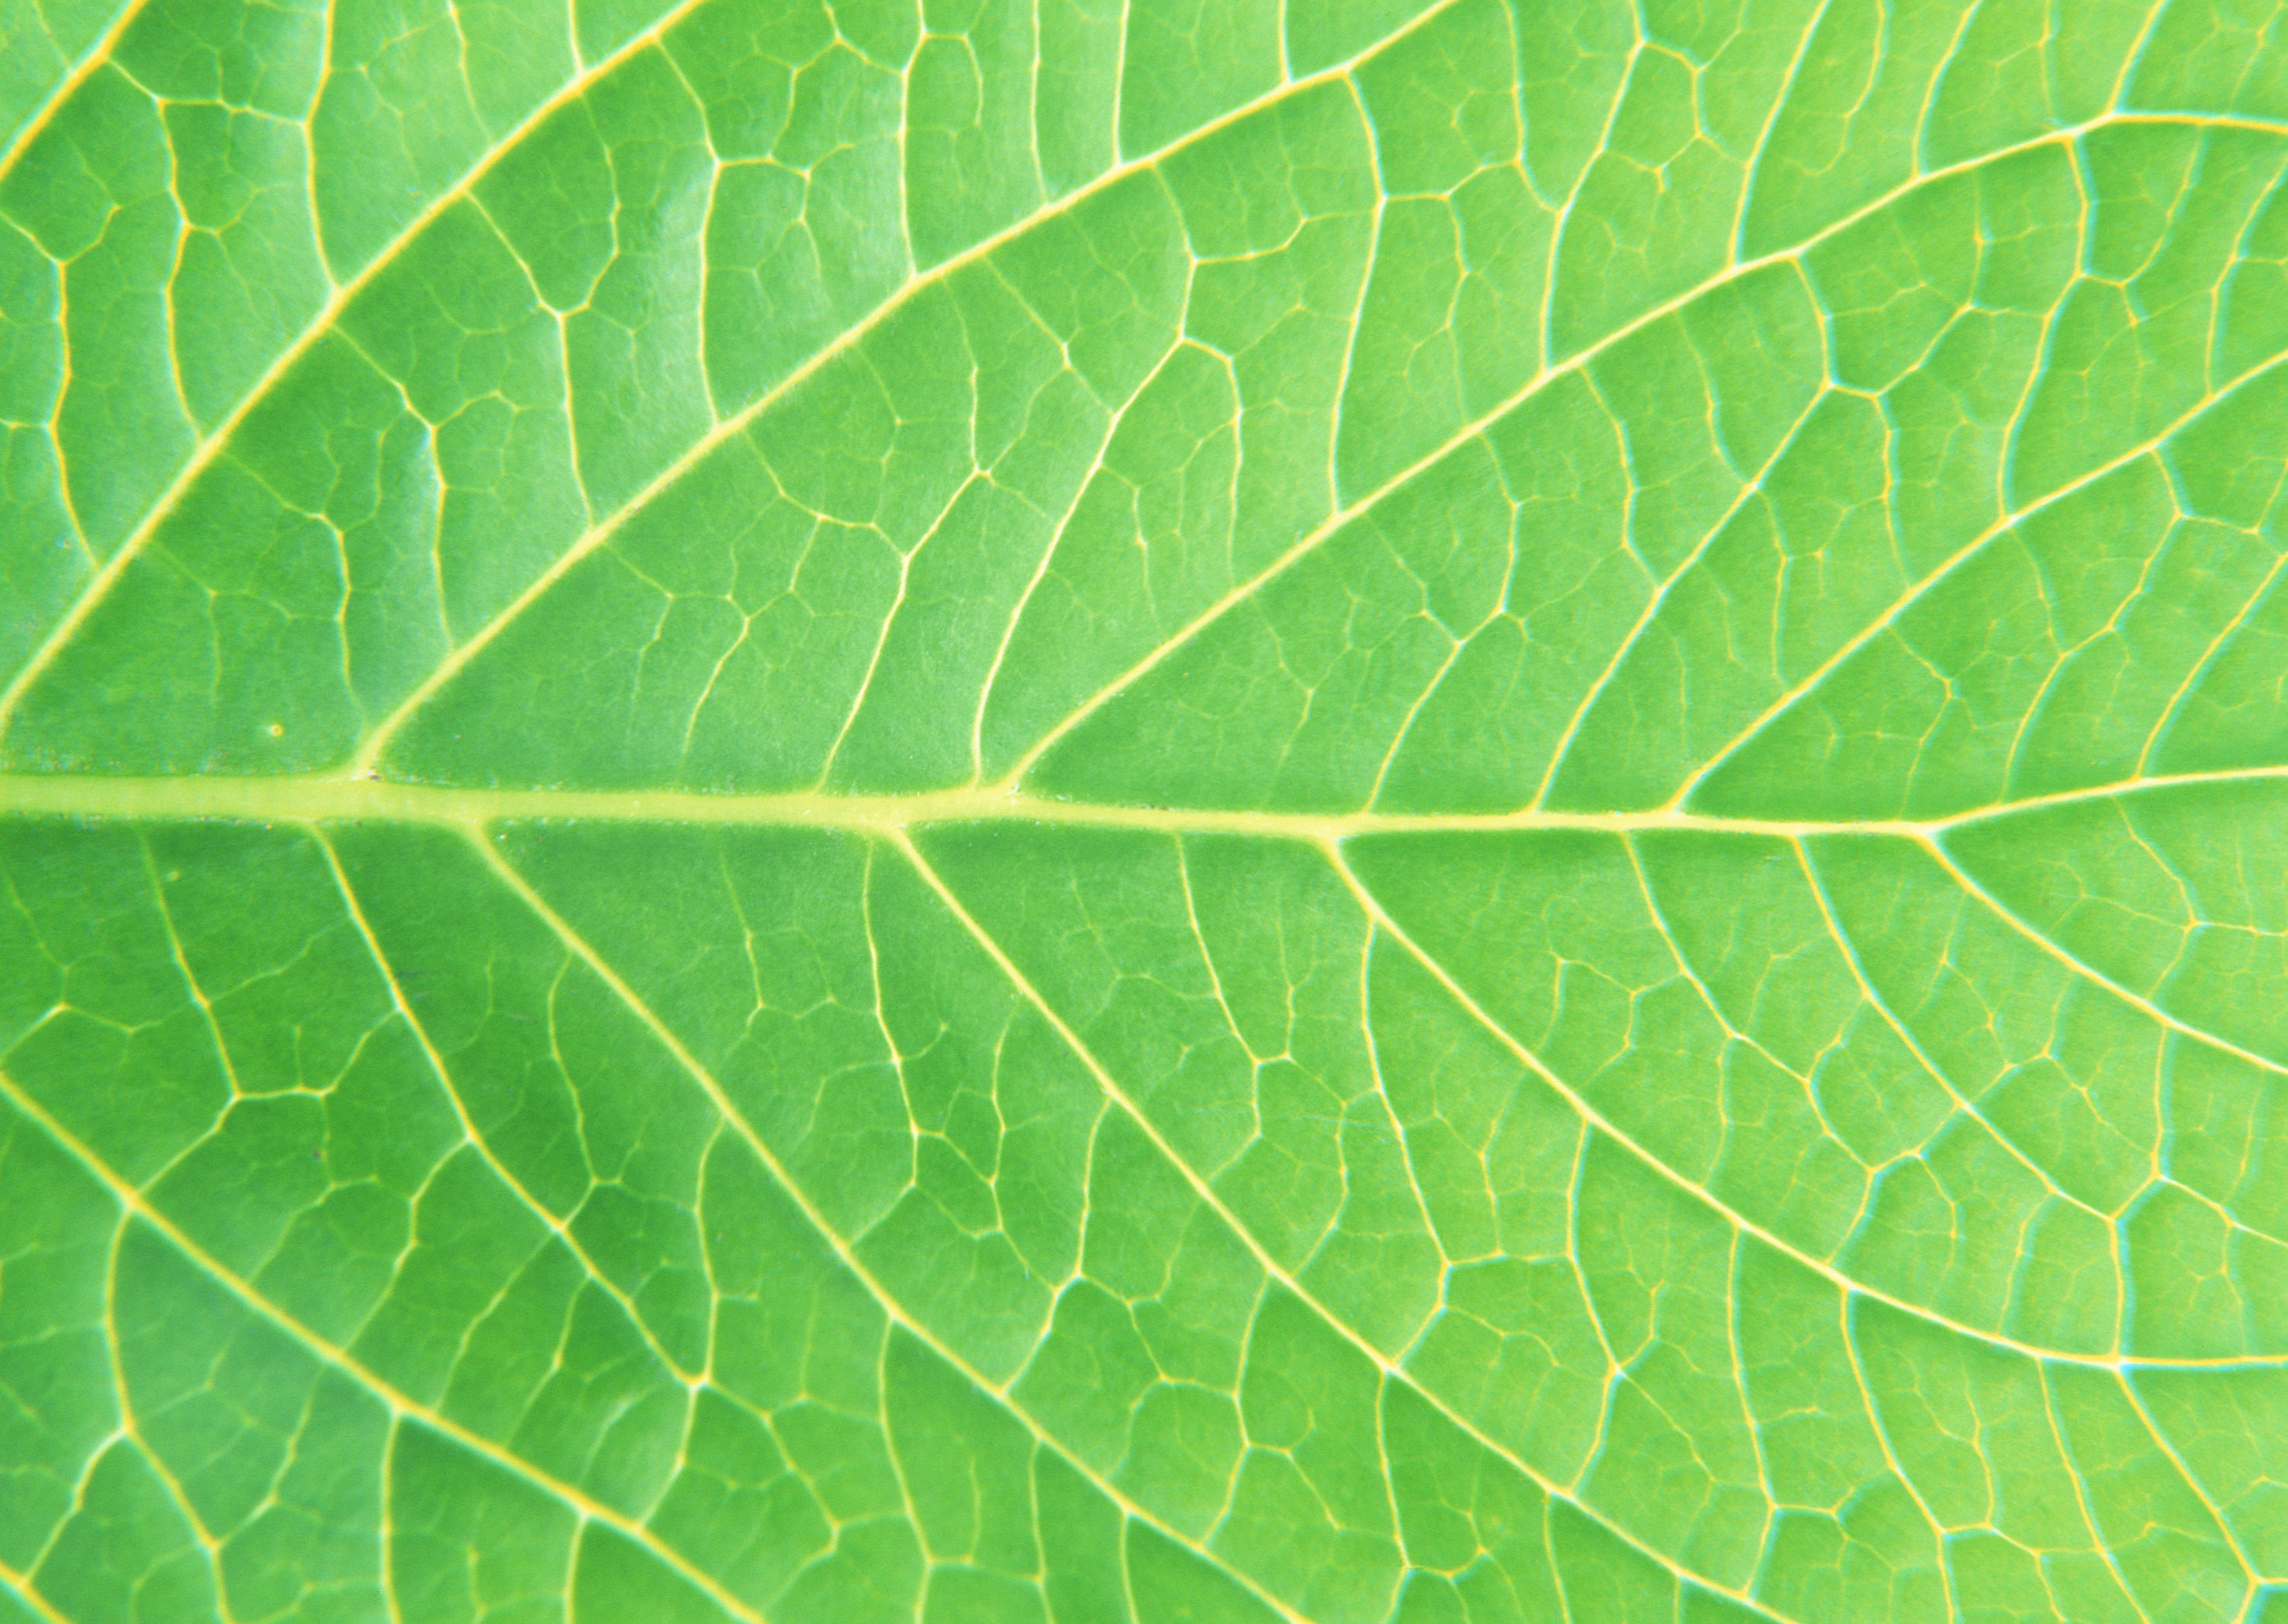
890	1306
1205	1194
400	1404
1597	1120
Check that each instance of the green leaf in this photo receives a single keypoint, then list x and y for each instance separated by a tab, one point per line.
1037	812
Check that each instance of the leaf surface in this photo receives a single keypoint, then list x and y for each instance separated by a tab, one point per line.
1394	809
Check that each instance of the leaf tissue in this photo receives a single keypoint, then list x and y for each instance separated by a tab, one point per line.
1109	812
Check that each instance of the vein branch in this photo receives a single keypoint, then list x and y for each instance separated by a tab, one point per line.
730	1114
401	1405
1206	1195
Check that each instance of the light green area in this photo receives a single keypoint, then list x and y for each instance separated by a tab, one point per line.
1042	811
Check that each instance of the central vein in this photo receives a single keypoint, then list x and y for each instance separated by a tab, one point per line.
317	799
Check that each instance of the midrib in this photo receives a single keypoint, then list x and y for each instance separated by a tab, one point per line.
333	798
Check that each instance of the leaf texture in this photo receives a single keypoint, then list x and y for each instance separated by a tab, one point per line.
1093	811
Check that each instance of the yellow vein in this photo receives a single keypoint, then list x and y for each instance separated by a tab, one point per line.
473	1136
95	56
377	741
1849	953
737	1122
1207	1197
1882	1431
1749	490
190	977
2122	789
20	1585
400	1404
325	797
208	449
2076	1476
2088	972
1603	1124
2210	658
132	1428
2252	1575
386	1496
1574	363
1916	592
